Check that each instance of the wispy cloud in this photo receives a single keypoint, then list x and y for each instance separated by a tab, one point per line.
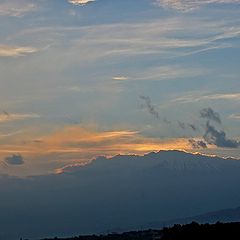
14	117
121	40
15	51
163	73
221	96
16	8
189	5
234	116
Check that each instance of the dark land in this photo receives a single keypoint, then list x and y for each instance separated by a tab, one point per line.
193	231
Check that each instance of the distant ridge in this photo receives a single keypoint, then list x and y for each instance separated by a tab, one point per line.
224	216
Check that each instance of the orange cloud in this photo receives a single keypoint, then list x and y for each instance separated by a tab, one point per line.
77	145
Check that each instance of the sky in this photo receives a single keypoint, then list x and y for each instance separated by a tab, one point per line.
84	78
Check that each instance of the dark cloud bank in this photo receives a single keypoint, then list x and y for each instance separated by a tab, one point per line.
117	194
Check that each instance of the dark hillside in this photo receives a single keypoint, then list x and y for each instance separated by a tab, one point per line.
193	231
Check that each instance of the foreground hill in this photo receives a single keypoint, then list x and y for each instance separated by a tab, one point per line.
177	232
117	194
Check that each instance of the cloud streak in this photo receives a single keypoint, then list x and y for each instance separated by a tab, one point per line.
16	8
190	5
211	97
6	117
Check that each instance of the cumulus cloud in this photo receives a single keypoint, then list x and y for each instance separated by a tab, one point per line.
189	5
80	2
16	8
15	51
14	160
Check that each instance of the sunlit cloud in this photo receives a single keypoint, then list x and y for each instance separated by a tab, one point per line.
80	2
15	51
120	78
80	145
16	8
189	5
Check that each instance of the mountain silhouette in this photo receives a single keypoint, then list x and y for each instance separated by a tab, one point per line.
121	193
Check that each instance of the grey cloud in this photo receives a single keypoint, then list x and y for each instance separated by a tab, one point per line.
182	125
14	160
165	120
192	126
149	106
218	138
210	114
197	143
185	126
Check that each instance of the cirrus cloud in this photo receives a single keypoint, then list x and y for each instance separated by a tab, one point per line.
16	8
189	5
6	117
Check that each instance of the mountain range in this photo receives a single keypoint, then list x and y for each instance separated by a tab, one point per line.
121	193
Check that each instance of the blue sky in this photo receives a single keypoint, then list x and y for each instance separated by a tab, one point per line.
82	79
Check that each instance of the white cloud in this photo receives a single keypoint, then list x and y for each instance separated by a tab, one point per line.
16	8
80	2
15	51
120	78
189	5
